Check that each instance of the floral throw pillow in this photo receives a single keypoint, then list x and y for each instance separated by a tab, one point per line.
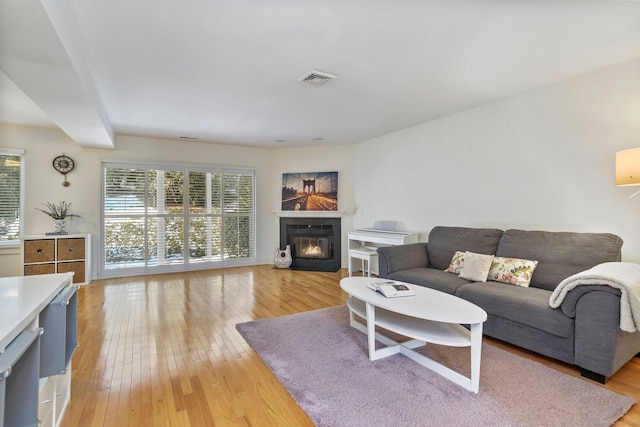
455	266
512	270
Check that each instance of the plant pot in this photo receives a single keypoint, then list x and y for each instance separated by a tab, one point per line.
60	226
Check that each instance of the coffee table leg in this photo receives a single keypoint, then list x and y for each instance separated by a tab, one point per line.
371	330
476	352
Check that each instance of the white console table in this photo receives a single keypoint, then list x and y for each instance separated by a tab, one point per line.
38	330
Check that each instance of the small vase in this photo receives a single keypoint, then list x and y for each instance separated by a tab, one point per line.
60	226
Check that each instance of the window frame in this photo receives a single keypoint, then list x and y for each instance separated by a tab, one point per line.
187	264
21	153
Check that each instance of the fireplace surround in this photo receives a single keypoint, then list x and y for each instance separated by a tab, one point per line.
315	242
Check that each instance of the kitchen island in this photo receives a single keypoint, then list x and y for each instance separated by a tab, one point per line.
38	329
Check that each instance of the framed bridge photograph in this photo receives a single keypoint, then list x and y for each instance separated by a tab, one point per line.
310	191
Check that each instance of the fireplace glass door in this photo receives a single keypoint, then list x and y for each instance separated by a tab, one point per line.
312	247
314	242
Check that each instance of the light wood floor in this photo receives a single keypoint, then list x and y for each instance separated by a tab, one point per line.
163	350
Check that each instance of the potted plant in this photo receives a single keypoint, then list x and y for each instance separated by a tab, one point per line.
59	212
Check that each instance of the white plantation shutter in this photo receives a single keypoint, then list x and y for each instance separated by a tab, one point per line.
11	195
124	217
238	211
176	218
205	216
125	190
166	216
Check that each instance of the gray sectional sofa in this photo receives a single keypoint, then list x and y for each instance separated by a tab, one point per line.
583	331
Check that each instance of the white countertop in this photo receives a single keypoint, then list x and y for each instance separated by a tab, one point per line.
23	298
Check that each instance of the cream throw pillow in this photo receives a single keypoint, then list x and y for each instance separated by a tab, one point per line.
476	266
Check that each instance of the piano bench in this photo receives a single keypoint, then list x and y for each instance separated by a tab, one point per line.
364	254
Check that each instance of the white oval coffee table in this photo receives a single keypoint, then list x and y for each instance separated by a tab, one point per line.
428	317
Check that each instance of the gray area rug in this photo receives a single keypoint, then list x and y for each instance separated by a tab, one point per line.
323	363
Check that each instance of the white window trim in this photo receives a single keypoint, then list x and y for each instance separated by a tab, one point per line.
6	151
186	266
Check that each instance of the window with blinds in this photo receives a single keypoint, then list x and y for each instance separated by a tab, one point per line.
11	196
176	218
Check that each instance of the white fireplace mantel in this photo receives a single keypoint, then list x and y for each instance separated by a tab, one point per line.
310	214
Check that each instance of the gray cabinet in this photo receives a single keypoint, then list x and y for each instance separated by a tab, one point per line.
59	341
57	344
38	335
19	382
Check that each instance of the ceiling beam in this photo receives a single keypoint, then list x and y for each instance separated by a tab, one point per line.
41	52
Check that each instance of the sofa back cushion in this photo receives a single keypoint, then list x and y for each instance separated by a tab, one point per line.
559	254
445	241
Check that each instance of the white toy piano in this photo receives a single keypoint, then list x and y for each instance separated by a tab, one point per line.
363	244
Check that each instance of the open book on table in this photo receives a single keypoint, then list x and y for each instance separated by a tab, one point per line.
391	289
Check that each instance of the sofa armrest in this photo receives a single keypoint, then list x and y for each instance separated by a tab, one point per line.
600	345
570	302
402	257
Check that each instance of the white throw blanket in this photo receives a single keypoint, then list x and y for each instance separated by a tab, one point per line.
624	276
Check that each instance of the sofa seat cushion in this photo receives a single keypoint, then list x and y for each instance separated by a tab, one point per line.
430	278
528	306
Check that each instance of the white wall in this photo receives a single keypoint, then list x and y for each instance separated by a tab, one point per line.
541	160
330	158
160	150
44	184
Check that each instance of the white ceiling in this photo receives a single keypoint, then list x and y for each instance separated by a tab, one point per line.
227	71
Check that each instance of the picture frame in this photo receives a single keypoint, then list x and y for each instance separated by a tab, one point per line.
310	191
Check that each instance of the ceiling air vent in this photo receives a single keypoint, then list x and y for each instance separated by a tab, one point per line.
317	78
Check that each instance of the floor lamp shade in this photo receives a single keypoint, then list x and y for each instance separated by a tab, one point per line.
628	167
